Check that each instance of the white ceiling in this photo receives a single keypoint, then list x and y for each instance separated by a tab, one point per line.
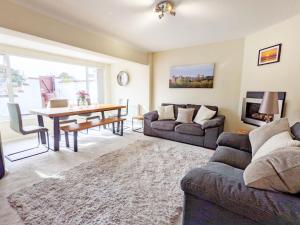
196	22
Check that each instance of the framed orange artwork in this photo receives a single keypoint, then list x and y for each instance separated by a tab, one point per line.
269	55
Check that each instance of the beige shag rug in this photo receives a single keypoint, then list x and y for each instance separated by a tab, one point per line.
138	184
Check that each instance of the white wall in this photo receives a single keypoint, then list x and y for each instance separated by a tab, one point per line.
282	76
138	88
228	58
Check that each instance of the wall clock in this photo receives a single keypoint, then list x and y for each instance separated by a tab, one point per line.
123	78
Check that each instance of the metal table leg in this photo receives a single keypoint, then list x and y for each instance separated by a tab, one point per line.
119	115
41	123
56	130
103	117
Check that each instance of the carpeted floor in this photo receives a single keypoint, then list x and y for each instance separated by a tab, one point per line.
137	184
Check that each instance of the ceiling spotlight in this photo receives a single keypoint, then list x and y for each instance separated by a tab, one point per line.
164	7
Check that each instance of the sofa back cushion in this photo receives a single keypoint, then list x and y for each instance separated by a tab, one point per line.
197	107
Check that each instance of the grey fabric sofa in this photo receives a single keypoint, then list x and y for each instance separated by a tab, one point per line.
195	134
216	195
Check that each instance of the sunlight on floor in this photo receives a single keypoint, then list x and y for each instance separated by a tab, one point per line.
55	176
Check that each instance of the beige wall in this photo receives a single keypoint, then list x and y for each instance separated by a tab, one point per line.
15	17
138	88
282	76
228	59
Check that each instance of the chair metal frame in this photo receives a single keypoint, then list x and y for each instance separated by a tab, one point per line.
139	129
25	150
16	116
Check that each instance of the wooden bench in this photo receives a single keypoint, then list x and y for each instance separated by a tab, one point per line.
90	124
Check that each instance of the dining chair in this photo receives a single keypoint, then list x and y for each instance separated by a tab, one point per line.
138	117
89	116
61	103
16	124
124	112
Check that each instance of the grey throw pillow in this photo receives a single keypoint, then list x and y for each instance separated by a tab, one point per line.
260	135
278	171
185	115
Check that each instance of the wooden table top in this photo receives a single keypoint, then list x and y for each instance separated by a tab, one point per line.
75	110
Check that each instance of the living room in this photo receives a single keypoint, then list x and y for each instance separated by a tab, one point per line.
143	149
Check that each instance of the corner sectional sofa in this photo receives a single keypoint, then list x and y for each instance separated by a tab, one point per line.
204	135
216	193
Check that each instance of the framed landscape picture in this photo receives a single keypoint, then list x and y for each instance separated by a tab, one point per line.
269	55
192	76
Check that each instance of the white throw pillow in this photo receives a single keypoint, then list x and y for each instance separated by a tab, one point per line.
203	115
185	115
166	112
281	140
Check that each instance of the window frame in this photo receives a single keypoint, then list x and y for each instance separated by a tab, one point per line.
10	91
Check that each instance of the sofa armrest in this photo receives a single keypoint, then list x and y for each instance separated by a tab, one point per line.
152	116
215	122
231	156
235	140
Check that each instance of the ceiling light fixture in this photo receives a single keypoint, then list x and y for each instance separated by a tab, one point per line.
164	7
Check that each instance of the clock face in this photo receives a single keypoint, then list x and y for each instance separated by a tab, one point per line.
123	78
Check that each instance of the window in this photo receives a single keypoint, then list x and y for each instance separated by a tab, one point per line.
32	82
1	59
4	87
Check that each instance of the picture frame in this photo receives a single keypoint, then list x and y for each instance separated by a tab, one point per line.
269	55
192	76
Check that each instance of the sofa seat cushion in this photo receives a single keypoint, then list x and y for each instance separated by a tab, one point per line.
223	185
168	125
190	128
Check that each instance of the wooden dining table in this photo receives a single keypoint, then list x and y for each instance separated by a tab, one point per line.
56	113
